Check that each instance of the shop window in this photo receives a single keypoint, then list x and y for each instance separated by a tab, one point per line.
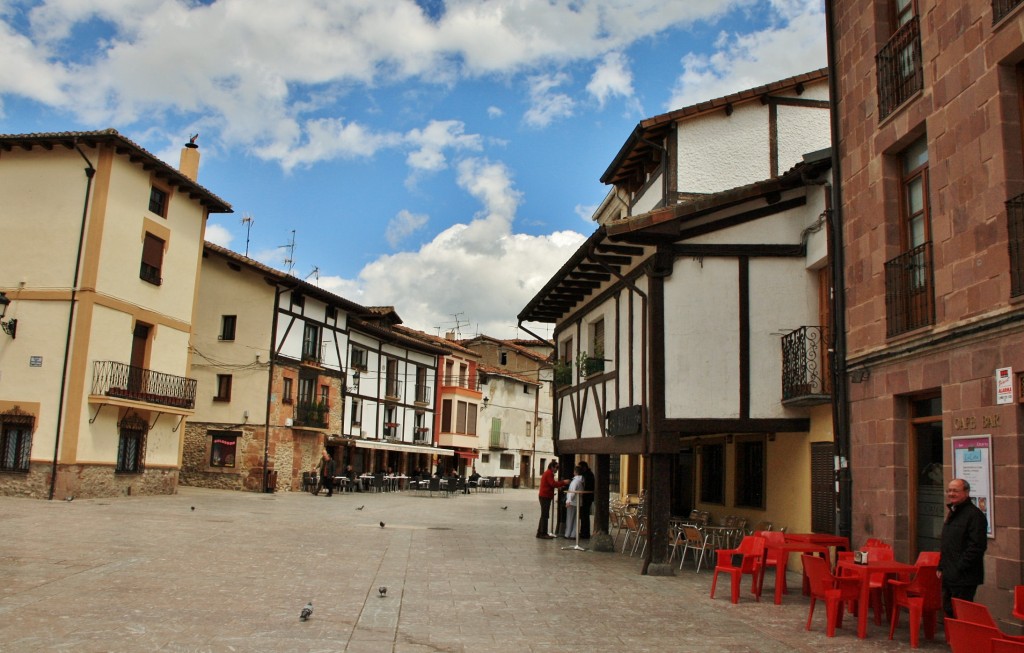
223	448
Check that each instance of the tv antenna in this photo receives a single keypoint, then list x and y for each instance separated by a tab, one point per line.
315	274
289	260
459	323
247	221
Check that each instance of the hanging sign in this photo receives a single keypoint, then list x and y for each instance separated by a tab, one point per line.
972	461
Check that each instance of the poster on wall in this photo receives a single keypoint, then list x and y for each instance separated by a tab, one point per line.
1004	385
972	461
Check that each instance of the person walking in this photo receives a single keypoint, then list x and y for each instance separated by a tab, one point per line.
326	473
586	499
572	503
963	543
546	494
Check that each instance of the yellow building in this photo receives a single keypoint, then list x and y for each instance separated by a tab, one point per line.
102	249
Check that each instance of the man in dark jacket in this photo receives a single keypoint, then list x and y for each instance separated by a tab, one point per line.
326	474
964	540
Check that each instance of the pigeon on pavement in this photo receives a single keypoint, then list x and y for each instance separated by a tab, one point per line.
382	524
360	507
504	507
383	591
306	611
520	516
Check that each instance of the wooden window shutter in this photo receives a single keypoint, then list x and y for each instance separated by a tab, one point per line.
823	493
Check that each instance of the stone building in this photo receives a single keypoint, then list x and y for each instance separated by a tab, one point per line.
928	100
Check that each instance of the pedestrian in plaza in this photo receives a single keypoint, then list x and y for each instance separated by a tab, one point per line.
439	470
963	543
586	499
546	494
572	502
326	473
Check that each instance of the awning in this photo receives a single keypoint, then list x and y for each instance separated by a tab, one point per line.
395	446
468	455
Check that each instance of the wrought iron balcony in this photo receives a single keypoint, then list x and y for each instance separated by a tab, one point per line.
909	291
1000	8
900	74
422	394
805	367
460	381
421	435
313	413
1015	227
124	381
393	389
592	366
498	440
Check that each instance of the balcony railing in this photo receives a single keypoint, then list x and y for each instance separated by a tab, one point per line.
313	413
1002	7
1015	227
460	381
422	394
139	384
421	435
592	366
498	440
563	375
805	366
899	68
909	291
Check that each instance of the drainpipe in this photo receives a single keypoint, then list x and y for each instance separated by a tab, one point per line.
90	172
840	403
270	385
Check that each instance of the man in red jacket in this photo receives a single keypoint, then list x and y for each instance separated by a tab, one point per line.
548	484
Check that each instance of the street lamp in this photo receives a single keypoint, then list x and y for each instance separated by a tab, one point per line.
10	327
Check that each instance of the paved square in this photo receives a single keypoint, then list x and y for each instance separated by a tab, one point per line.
152	574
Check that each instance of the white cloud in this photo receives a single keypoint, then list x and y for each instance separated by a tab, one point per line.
546	106
218	235
612	77
403	225
481	269
796	44
494	112
586	212
434	139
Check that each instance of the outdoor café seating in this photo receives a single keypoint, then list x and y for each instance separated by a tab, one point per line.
971	637
922	597
835	591
693	540
1018	601
747	558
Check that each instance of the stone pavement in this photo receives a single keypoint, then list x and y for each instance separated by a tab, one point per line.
462	574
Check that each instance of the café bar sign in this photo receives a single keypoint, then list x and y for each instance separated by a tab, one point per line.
625	421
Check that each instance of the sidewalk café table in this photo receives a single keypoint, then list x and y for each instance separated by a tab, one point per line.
864	571
722	536
398	482
342	483
782	552
839	542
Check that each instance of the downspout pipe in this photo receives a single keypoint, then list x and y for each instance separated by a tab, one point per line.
90	172
840	399
270	385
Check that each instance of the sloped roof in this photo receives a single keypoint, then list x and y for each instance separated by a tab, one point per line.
513	345
281	278
122	146
450	345
499	371
640	145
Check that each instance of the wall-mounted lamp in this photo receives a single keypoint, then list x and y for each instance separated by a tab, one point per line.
486	401
10	327
860	375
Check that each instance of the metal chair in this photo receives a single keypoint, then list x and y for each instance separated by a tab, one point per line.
694	540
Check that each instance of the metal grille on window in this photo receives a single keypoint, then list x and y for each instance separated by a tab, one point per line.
131	446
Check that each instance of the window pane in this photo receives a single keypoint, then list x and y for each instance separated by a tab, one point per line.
915	156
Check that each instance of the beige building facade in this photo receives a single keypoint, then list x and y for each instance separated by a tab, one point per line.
102	244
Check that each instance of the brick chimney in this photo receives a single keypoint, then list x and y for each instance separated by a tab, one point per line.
189	164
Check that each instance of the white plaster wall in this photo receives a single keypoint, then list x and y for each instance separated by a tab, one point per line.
779	229
718	152
41	214
244	294
650	197
783	296
123	234
801	130
702	339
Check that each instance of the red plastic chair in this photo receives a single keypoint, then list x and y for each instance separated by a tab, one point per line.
1007	646
1018	601
978	613
747	558
834	590
969	637
922	597
772	537
928	558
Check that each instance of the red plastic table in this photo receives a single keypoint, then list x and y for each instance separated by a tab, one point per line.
782	552
840	542
864	572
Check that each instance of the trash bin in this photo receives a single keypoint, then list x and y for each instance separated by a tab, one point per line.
515	482
271	481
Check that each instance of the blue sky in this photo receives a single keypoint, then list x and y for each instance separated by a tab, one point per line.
440	156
